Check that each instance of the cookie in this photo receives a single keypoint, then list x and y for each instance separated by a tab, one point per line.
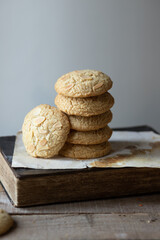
85	151
80	123
83	83
85	106
45	130
6	221
90	137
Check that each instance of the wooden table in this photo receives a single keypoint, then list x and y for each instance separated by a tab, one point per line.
120	218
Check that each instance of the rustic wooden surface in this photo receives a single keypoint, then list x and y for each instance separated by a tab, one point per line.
119	218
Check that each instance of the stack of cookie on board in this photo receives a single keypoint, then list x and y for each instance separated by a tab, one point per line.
83	95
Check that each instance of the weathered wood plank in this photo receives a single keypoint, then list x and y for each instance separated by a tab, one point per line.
83	226
140	204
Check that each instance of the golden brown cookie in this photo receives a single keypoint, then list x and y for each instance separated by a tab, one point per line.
45	130
85	106
96	122
6	221
90	137
83	83
85	151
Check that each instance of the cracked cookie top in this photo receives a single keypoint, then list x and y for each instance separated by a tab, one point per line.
45	130
83	83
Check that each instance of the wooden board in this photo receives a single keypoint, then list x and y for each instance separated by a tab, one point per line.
119	218
27	186
82	226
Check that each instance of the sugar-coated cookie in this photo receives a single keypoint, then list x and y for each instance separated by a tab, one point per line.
85	151
45	130
83	83
6	221
85	106
81	123
90	137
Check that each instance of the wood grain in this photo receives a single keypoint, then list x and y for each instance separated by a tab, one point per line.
141	204
86	226
117	218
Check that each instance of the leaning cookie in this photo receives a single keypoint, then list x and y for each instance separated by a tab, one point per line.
83	83
85	106
6	221
45	130
96	122
85	151
90	137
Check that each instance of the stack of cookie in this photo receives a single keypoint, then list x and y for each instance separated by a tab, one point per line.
83	96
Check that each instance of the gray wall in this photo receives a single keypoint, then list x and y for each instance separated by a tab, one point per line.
42	39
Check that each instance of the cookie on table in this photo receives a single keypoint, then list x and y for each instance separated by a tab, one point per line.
85	151
90	137
6	222
85	106
45	130
81	123
83	83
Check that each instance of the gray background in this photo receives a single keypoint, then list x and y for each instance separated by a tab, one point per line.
42	39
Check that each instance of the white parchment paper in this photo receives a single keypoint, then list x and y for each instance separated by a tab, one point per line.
129	149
